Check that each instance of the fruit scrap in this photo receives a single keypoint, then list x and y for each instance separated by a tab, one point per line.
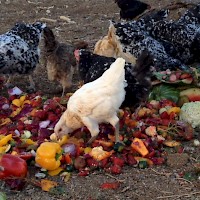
139	146
193	94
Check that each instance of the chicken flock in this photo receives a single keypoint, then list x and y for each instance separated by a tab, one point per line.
117	73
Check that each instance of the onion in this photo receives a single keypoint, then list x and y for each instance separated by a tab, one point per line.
14	91
69	148
44	124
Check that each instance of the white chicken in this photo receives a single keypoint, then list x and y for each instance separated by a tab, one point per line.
95	102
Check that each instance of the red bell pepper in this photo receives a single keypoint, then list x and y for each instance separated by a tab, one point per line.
12	167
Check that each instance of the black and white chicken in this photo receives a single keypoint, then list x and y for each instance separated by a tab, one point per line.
19	50
191	16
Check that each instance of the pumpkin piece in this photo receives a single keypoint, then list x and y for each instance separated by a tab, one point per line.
139	146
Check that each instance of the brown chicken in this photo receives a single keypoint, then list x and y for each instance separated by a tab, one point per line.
61	63
110	46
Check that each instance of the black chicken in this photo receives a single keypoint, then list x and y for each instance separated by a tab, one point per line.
129	9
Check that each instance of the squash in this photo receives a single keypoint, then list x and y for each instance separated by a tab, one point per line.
138	145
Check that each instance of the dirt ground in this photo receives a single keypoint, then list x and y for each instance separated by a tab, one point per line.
90	21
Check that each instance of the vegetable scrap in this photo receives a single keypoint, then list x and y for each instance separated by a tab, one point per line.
27	138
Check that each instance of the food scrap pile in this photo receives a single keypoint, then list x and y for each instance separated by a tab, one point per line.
27	138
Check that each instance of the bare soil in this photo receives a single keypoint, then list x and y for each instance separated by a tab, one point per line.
90	21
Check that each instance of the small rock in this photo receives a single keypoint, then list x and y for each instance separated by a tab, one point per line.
177	160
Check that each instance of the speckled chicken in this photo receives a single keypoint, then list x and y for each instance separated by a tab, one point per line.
185	38
19	50
191	16
135	40
95	102
61	63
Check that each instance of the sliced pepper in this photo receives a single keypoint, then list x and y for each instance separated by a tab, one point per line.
139	146
48	155
5	140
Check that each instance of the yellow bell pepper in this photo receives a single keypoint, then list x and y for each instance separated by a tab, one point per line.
29	142
55	172
174	109
48	155
5	140
3	149
63	140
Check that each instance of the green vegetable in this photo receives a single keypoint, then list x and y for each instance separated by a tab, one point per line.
69	168
164	91
143	164
118	147
2	196
190	113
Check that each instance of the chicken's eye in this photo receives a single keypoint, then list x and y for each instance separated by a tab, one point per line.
60	130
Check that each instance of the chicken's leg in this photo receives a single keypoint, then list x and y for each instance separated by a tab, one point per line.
8	83
117	133
114	121
92	126
32	84
63	91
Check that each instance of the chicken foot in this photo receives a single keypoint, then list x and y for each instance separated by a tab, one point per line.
31	88
63	91
8	83
114	121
